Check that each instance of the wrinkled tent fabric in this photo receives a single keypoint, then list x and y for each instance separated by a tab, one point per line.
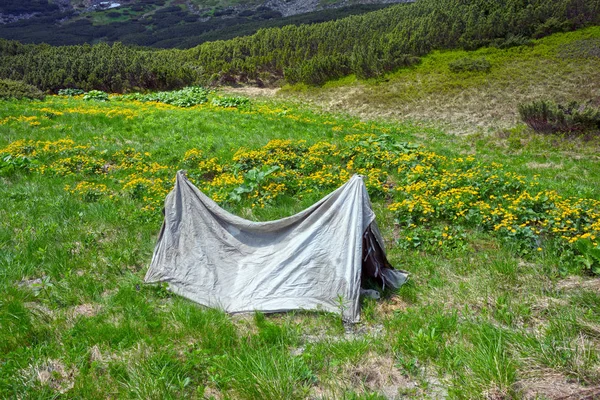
313	260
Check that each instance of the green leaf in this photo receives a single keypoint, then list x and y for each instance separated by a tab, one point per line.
595	254
583	245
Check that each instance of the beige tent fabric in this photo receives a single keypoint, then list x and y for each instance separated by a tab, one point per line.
313	260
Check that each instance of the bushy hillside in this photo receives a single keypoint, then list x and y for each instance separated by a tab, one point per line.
368	45
562	67
162	23
500	232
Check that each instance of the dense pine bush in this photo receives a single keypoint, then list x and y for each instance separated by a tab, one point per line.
10	89
367	45
549	117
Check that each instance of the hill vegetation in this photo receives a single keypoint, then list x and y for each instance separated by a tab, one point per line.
561	68
499	230
156	23
500	304
18	90
16	7
368	45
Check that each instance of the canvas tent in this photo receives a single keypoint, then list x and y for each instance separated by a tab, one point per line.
313	260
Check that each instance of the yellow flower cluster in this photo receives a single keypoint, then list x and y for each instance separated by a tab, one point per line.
323	180
276	152
21	148
51	111
421	186
462	191
266	194
226	180
267	110
144	179
73	164
31	120
128	110
89	191
93	109
193	157
151	191
210	166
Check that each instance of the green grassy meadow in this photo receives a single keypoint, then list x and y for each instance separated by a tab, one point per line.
488	313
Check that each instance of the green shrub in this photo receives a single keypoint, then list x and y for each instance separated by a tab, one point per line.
367	45
97	95
550	26
318	70
230	101
70	92
549	117
10	89
514	41
467	64
589	255
369	63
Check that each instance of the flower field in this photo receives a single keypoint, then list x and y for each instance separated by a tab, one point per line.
422	188
500	236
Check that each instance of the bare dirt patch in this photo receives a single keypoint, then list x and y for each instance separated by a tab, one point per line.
387	307
556	387
86	310
549	165
76	248
577	282
53	373
30	283
212	393
245	325
96	355
545	303
379	374
105	357
39	309
459	106
375	373
108	293
251	91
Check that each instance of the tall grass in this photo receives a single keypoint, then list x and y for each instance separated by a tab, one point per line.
479	317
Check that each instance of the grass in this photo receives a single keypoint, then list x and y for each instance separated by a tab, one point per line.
479	318
561	67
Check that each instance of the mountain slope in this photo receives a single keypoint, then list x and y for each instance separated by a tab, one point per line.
163	23
563	67
368	45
